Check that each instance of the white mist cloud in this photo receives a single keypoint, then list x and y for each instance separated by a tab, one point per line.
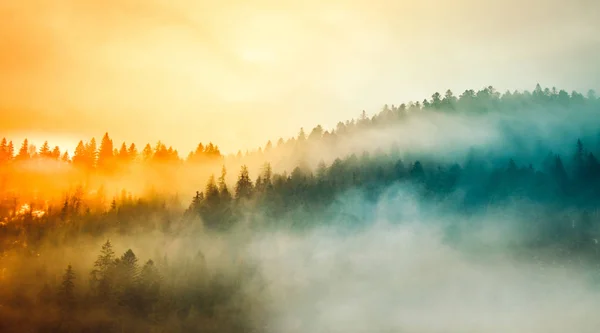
403	277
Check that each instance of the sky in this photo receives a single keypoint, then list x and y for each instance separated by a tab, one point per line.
239	73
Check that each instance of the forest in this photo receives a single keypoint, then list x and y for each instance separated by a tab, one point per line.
74	229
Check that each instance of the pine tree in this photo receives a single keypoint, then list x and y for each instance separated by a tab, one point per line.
417	172
258	185
211	192
11	150
147	153
160	152
316	134
149	288
3	151
101	275
129	267
79	157
197	201
55	153
66	295
123	153
363	117
436	100
64	211
301	135
211	151
267	176
198	154
127	274
105	154
449	100
45	150
149	275
91	154
243	188
321	171
580	161
132	152
223	190
65	157
23	153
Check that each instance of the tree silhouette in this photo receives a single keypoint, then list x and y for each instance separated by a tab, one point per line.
80	156
243	188
91	153
147	153
45	151
4	152
132	152
105	153
66	294
102	275
23	153
55	153
224	193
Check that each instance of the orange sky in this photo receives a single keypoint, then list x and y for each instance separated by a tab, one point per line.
241	72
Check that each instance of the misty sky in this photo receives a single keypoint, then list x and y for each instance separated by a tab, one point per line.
239	73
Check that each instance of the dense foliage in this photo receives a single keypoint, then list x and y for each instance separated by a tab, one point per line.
549	185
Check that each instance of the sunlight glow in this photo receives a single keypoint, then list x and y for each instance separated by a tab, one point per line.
26	208
258	55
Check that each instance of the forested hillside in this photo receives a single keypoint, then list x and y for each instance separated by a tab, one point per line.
525	162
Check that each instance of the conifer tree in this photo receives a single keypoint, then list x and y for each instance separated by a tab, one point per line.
3	151
105	153
79	157
243	188
55	153
23	153
127	273
223	190
66	296
147	153
211	191
11	150
149	288
123	153
91	154
132	152
101	275
65	157
45	151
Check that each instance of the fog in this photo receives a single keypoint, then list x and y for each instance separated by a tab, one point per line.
359	245
524	131
399	271
405	279
466	212
515	127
